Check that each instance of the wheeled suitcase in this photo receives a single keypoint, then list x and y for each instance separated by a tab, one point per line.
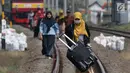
80	55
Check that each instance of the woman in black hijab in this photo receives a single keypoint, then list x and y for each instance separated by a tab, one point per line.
48	30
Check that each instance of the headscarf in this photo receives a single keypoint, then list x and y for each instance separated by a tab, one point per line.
61	14
49	21
38	15
79	29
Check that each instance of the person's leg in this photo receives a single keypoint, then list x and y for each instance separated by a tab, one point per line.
36	31
70	36
87	41
35	35
44	45
51	41
31	24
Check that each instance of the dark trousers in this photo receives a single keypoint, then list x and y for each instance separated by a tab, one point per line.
68	41
47	44
30	23
36	31
69	33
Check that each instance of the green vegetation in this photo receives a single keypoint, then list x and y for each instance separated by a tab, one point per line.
10	61
123	27
8	69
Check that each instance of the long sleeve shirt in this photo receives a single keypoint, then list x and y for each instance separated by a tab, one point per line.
54	29
30	15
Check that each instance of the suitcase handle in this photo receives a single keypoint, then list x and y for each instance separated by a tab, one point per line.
65	44
68	38
72	47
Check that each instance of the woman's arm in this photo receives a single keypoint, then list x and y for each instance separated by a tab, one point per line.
41	28
56	28
41	31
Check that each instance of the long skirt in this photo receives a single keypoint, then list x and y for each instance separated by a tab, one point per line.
48	44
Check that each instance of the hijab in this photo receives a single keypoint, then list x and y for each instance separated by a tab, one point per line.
79	28
49	21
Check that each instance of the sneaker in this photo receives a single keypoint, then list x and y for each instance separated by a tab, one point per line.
49	58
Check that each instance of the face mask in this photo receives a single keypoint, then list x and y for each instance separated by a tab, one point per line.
77	21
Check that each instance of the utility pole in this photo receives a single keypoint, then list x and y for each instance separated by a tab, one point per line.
57	6
114	12
87	4
52	4
73	4
48	4
107	4
3	26
44	2
3	9
65	7
69	4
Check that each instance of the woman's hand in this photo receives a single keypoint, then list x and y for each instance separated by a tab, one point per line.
40	36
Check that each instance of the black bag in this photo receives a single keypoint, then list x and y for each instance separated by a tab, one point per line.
80	55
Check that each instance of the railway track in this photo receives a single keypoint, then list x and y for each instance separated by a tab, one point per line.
57	61
111	31
58	65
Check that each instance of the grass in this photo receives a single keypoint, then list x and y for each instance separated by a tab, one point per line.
13	54
9	69
10	61
123	27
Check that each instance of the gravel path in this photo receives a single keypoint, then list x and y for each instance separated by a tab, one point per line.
33	62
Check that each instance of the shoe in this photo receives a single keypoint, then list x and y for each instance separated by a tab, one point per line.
49	58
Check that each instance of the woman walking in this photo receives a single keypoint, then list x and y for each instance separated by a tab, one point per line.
30	18
48	30
37	18
79	30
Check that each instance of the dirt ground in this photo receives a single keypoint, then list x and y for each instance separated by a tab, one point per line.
30	61
68	67
9	61
114	61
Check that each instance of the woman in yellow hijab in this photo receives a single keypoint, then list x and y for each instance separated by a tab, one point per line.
79	28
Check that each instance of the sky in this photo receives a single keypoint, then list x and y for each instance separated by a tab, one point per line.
100	1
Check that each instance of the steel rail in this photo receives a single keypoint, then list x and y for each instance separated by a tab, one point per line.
111	31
